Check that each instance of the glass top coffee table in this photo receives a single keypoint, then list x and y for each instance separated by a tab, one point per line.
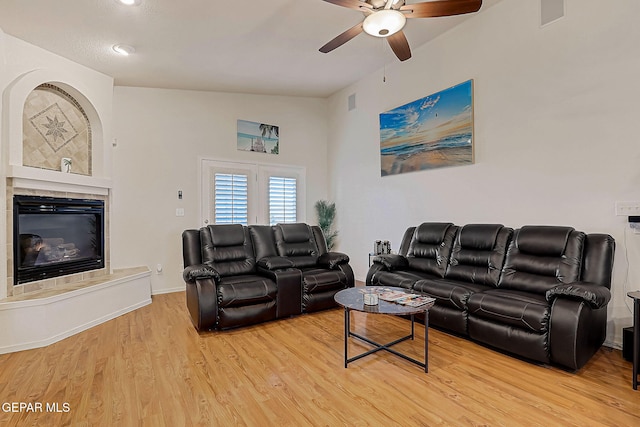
353	299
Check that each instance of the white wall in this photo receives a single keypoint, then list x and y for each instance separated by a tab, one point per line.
556	139
162	134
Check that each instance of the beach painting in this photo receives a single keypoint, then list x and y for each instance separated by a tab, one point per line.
258	137
433	132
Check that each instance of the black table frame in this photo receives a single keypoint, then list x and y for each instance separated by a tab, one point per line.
386	347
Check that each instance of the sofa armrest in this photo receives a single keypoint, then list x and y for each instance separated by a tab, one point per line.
596	296
275	263
332	260
392	261
200	271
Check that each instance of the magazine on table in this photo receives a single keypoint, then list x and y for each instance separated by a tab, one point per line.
409	299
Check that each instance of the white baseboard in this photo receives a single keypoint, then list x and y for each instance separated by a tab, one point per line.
168	290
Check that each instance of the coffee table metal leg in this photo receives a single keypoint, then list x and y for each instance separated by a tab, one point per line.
426	341
347	330
412	326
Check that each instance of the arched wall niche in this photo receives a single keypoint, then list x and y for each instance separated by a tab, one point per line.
16	96
56	132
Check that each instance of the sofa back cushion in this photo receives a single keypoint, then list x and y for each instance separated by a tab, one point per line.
430	247
228	249
296	242
541	257
478	253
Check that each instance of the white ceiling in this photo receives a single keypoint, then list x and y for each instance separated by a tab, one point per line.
248	46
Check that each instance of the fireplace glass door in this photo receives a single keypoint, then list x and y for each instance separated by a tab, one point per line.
56	236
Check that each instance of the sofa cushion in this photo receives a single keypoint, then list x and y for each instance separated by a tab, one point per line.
332	260
295	241
245	290
522	310
228	249
320	280
401	279
543	240
295	233
392	261
478	253
481	237
530	266
430	247
449	292
226	234
431	232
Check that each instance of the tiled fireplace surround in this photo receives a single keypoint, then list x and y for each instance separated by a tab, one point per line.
56	281
55	125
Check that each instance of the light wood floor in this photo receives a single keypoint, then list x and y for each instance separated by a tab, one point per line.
150	367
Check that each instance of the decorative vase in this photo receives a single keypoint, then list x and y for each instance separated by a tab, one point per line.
65	165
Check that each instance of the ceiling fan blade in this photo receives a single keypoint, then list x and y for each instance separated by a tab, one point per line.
342	38
351	4
400	45
437	8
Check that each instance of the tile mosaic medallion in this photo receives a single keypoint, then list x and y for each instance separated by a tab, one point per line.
55	127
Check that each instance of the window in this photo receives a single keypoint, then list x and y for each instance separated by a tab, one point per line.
245	193
282	199
230	198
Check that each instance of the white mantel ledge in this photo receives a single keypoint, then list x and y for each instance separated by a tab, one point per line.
50	180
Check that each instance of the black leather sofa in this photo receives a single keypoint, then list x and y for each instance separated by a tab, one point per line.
237	275
539	292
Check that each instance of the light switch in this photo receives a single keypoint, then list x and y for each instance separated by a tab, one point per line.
180	212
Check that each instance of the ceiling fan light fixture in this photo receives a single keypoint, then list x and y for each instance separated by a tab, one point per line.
384	23
129	2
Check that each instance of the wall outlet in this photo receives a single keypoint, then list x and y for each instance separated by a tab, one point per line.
179	211
627	208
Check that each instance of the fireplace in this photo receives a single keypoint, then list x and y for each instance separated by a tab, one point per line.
56	236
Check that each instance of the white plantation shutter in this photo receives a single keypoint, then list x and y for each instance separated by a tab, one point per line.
231	198
251	193
283	200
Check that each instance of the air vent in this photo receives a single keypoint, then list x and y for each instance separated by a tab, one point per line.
550	11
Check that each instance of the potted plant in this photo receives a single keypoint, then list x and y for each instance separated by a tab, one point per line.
326	214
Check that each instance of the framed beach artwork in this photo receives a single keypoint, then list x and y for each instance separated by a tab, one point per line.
433	132
258	137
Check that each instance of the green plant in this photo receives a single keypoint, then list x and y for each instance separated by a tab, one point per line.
326	214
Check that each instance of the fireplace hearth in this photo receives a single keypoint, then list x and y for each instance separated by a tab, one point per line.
54	237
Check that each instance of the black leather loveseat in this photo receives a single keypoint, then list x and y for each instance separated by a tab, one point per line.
539	292
237	275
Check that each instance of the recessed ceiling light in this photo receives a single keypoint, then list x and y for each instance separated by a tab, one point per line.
129	2
123	49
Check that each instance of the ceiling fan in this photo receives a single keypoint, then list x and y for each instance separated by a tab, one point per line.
386	18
